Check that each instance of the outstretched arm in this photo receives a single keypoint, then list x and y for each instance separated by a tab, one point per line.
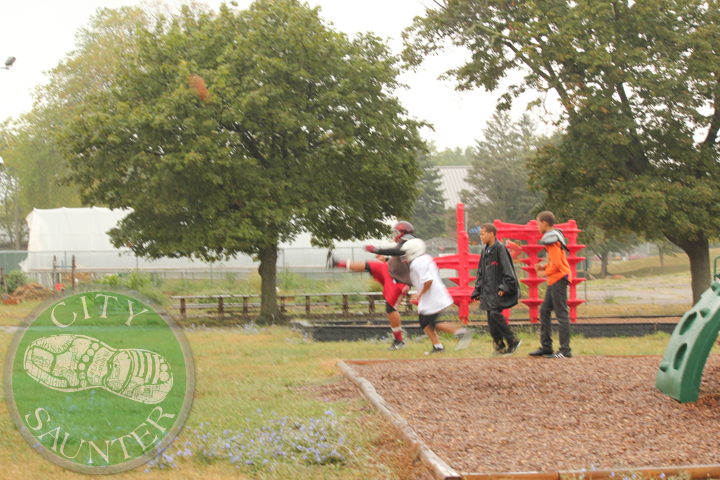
392	251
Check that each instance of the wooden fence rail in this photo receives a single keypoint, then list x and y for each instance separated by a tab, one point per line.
225	303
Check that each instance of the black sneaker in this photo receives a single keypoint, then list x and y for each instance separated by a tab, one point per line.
498	350
540	352
513	348
330	262
435	350
397	345
558	355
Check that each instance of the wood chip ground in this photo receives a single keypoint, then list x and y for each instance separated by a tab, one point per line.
525	414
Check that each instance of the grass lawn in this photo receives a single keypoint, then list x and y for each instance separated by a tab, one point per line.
649	266
252	396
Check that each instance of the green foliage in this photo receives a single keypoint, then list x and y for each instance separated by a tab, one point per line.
300	132
450	156
638	85
294	136
428	214
29	146
499	177
139	282
16	279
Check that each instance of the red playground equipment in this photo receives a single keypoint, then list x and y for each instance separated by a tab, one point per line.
531	235
464	261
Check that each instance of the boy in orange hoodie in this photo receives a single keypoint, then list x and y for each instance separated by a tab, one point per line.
557	271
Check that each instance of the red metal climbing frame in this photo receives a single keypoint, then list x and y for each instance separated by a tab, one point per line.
530	234
464	261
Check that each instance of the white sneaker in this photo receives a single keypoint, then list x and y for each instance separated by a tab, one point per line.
465	336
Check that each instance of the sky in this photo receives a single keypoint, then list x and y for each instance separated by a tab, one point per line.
39	33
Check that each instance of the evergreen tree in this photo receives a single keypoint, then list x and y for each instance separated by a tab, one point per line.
499	177
428	215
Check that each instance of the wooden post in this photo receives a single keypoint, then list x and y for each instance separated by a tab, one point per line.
307	304
245	306
221	307
72	279
346	307
282	303
183	310
54	274
371	303
408	305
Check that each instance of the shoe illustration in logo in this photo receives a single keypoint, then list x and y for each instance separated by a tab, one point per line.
76	362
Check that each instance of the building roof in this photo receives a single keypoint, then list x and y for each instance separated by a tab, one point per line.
453	181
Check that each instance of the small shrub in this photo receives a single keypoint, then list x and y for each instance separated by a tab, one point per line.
16	279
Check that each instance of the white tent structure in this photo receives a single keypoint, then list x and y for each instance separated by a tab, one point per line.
56	235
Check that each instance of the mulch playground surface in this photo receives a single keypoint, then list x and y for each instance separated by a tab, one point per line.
524	414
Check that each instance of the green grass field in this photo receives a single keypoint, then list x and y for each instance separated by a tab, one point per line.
257	412
649	266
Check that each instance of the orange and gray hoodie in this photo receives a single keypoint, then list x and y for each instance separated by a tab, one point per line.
557	266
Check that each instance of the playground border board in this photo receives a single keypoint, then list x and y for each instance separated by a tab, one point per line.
333	332
442	471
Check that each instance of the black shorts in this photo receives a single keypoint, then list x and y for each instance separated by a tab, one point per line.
429	320
389	308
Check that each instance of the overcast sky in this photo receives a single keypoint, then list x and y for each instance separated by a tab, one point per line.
41	32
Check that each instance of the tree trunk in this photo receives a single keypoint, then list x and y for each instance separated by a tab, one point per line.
662	259
604	264
698	251
268	294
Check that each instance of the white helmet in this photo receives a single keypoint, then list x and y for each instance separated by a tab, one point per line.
413	249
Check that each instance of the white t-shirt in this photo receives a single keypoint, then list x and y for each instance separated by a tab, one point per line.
422	270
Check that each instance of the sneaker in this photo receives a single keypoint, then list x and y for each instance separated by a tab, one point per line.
558	355
330	262
397	345
435	350
465	336
540	352
70	363
498	350
513	348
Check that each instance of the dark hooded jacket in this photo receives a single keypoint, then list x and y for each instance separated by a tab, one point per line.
495	273
399	270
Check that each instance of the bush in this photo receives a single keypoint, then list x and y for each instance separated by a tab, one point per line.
138	281
16	279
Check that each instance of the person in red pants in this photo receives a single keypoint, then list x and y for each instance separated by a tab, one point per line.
393	292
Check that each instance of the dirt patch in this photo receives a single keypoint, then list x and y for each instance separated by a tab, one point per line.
332	392
32	291
525	414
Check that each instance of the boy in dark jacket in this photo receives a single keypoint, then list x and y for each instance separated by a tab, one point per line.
497	288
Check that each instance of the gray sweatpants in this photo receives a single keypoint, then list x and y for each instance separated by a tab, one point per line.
555	299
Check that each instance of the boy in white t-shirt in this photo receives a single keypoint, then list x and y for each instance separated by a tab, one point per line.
432	296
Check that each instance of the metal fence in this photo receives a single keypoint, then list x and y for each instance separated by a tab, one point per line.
308	262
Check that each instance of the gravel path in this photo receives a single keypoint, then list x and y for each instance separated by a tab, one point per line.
525	414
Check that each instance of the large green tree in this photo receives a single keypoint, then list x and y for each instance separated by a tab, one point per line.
499	176
638	82
301	131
